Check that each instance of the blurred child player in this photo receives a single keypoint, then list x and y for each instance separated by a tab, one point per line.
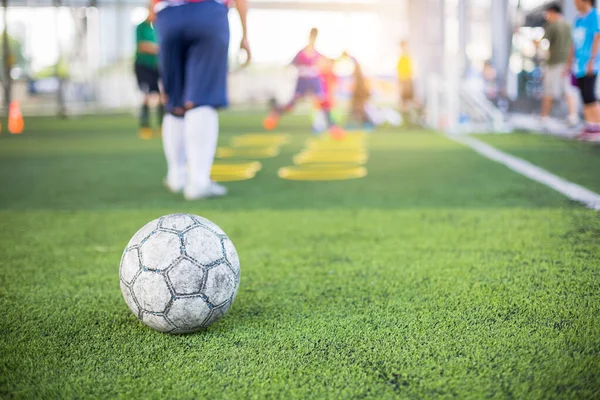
194	40
404	70
585	61
360	96
147	73
309	63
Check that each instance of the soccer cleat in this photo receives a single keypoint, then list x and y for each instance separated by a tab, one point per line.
271	121
336	132
573	120
544	124
171	187
592	137
212	190
145	133
587	132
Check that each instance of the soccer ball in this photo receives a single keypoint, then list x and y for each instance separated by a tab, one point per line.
179	273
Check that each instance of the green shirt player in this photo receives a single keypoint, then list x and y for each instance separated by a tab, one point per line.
147	72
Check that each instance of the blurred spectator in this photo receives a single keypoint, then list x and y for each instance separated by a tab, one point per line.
556	85
360	97
586	63
490	80
405	71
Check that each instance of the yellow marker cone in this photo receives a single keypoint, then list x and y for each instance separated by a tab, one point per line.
235	172
326	172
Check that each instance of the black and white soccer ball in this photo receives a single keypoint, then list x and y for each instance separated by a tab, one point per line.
179	273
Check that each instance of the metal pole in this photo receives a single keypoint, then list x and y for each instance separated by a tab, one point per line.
6	57
426	34
463	35
569	11
501	39
60	98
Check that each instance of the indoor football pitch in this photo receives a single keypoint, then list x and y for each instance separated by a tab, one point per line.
438	274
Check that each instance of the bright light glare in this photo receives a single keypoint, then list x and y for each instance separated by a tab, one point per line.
344	68
276	36
138	15
516	63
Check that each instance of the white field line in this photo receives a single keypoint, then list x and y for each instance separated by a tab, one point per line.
525	168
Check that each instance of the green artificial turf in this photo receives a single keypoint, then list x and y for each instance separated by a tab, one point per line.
576	161
440	274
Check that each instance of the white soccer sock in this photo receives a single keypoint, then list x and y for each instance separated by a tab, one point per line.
201	135
173	131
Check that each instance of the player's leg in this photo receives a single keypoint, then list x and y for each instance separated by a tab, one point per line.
272	120
566	92
141	74
403	96
400	95
587	88
595	107
201	136
205	92
316	87
573	118
547	101
145	112
549	94
362	111
174	148
304	88
155	93
335	130
160	112
290	105
172	60
326	108
409	101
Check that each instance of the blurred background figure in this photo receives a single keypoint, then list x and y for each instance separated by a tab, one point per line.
147	73
586	64
72	57
360	97
405	73
490	81
557	73
310	65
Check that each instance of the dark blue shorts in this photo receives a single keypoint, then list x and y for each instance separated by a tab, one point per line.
306	86
194	41
587	87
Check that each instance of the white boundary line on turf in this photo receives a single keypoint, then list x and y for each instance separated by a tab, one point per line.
533	172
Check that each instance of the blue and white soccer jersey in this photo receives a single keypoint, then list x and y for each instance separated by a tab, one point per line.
193	37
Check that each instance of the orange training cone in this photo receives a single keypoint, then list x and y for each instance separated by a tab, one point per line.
337	133
15	118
